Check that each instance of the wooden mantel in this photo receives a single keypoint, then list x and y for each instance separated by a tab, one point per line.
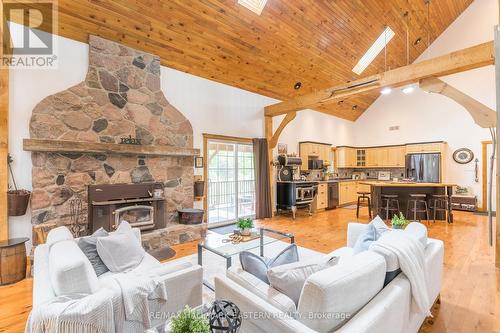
64	146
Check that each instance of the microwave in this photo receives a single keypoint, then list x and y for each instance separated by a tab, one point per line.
315	164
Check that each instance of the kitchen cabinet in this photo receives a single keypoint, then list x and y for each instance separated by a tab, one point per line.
434	147
396	156
320	151
346	157
348	192
322	198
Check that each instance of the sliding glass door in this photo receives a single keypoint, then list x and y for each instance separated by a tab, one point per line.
231	182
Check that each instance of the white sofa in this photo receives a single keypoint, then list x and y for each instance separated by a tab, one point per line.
351	295
183	281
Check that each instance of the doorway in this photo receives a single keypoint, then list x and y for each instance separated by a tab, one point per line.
487	149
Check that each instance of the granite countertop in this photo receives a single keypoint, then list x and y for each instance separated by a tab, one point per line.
404	184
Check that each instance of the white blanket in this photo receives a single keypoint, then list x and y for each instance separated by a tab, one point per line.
137	290
74	313
122	297
411	257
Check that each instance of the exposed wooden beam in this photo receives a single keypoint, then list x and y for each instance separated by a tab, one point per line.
495	232
274	139
473	57
482	115
4	151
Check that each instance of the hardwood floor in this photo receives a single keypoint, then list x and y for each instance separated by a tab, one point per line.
470	297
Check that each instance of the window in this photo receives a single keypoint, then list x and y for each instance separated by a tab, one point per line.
374	50
231	180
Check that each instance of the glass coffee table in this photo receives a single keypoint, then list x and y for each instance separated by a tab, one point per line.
201	310
219	245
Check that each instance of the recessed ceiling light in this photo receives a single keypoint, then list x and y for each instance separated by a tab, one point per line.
297	85
386	91
408	89
374	50
255	6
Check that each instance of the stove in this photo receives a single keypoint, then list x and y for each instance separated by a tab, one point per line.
292	195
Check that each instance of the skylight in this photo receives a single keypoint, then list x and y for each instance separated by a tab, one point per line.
255	6
374	50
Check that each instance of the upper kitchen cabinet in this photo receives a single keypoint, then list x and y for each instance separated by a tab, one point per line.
314	150
432	147
346	157
396	156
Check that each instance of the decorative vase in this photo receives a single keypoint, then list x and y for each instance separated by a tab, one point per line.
18	202
245	232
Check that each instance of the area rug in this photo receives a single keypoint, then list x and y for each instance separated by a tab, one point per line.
214	265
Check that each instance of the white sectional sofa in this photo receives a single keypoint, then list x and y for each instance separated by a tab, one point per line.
350	297
59	267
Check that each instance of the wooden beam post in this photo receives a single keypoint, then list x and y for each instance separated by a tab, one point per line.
482	115
268	132
473	57
4	151
274	139
496	235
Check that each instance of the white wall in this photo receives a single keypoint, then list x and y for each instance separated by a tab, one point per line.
430	117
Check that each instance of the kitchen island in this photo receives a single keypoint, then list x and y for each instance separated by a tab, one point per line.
404	189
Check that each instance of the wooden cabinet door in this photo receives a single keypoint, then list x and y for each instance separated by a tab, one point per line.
396	156
351	153
304	149
382	157
372	157
343	195
322	197
325	154
353	191
340	157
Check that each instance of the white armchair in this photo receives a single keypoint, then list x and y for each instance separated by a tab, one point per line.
183	280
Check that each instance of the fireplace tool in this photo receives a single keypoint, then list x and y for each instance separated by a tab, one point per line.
75	206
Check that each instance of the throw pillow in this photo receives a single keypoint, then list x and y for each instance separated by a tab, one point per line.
120	252
380	226
89	248
290	278
365	239
258	266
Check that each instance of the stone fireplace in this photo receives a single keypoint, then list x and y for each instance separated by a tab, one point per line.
78	140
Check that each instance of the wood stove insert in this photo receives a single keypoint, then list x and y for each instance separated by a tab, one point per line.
110	204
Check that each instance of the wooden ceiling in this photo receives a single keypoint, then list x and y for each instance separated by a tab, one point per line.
316	42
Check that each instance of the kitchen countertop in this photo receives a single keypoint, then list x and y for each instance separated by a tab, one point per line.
402	184
332	180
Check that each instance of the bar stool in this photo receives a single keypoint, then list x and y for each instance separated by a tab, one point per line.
439	203
390	203
364	200
417	200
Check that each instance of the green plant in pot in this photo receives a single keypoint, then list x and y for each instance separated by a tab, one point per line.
189	321
245	225
399	221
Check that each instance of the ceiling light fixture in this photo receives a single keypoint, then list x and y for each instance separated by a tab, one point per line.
408	89
386	91
255	6
297	85
374	50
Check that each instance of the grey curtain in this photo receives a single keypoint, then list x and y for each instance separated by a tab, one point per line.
263	204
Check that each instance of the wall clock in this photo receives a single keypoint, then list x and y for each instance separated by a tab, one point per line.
463	155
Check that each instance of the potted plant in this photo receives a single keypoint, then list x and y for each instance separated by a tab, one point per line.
245	225
399	222
17	199
189	321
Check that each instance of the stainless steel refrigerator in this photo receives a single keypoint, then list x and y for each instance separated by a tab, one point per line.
424	168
